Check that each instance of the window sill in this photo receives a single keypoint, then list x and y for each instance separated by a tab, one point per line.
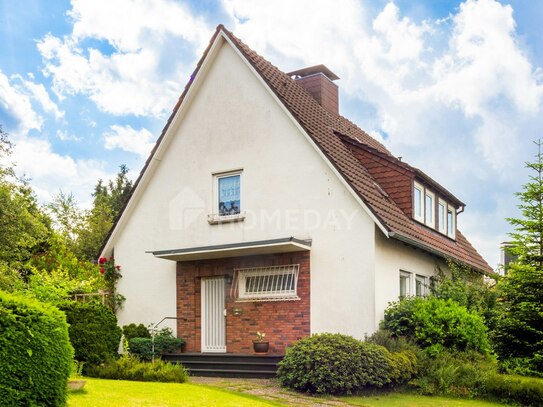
216	219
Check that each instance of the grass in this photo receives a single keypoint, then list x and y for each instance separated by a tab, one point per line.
116	393
414	400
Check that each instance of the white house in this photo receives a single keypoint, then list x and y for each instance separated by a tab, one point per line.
262	209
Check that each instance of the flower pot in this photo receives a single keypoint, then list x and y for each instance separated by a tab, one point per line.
261	347
76	384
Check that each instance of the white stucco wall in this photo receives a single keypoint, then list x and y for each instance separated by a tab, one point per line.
287	190
392	257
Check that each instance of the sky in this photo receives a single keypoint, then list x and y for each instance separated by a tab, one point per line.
454	88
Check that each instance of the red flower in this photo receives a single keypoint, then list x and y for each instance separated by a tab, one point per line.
102	271
102	260
118	267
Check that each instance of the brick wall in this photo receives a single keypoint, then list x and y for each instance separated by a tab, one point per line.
282	321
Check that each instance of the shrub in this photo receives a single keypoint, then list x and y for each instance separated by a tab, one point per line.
515	390
404	366
94	333
437	324
131	368
337	364
35	353
165	342
454	373
135	331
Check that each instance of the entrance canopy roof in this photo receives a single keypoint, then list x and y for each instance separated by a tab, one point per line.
283	245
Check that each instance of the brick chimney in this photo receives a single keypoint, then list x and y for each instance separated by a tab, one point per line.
318	81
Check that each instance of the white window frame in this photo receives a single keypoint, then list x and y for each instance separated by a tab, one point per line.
408	276
424	284
432	196
215	217
451	229
420	188
269	276
442	227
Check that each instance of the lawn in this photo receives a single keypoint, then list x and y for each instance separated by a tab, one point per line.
112	393
414	400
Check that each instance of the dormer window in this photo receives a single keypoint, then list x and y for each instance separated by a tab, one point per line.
451	222
418	203
441	220
429	199
440	216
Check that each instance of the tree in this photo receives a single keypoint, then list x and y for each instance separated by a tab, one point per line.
108	201
68	218
527	240
519	330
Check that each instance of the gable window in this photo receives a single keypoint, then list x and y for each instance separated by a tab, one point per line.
227	206
275	283
429	199
441	221
418	203
451	222
229	194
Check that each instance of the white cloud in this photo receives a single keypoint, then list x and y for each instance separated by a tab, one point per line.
457	97
143	74
17	107
64	135
39	93
128	139
50	171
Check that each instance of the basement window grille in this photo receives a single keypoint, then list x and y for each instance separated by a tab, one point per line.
274	283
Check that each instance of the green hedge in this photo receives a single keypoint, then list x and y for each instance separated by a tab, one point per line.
131	368
35	353
340	364
436	324
515	390
94	333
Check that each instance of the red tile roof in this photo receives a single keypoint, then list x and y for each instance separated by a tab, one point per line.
323	127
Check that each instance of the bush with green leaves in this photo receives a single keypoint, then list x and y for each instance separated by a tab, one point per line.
165	342
339	364
515	390
454	373
131	368
35	353
94	333
436	324
135	331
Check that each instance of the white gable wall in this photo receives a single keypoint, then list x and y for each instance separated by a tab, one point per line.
233	122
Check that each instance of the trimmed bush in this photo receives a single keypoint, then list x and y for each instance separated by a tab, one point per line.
131	368
436	324
337	364
515	390
165	342
94	333
35	353
135	331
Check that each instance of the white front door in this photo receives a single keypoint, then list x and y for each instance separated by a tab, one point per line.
213	315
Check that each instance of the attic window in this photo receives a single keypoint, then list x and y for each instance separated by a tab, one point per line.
227	198
418	203
441	216
451	222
